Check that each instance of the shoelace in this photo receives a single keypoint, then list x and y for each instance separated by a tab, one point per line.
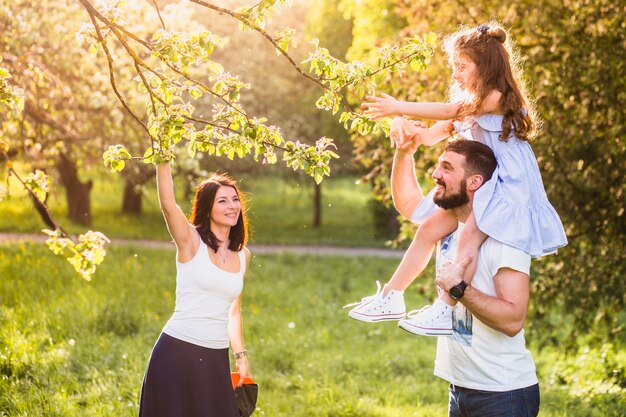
414	313
367	299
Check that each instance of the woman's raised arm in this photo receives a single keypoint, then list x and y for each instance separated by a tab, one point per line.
180	229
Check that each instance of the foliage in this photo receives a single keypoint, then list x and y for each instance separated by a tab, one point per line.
170	87
74	349
167	68
38	183
591	372
84	255
10	94
230	131
578	61
63	91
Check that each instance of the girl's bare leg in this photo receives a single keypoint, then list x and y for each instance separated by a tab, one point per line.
469	243
435	228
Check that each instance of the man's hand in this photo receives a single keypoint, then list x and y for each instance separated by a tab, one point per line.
450	274
405	134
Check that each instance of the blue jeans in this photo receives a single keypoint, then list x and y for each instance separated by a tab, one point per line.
465	402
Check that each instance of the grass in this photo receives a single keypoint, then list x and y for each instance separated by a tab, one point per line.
280	211
75	348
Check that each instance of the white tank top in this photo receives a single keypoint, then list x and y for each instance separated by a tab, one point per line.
204	293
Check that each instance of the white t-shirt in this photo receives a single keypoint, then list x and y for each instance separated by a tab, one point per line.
477	356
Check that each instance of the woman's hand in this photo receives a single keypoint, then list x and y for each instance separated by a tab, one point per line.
242	367
378	107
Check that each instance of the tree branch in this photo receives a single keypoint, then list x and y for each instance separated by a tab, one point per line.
39	205
243	19
93	12
156	6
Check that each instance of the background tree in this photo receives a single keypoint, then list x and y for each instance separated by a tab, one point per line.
70	111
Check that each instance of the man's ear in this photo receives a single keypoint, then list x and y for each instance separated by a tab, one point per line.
474	182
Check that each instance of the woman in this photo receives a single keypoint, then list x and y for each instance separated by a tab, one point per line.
188	373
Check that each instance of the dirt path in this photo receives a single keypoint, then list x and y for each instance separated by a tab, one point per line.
311	250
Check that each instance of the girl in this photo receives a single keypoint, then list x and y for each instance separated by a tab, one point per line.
188	373
489	105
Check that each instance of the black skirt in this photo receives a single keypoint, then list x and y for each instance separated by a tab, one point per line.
187	380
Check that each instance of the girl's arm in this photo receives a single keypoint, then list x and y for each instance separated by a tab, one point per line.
404	131
387	106
180	230
235	332
434	134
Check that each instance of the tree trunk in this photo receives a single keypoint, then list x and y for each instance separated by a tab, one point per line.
77	193
135	176
386	222
317	206
132	199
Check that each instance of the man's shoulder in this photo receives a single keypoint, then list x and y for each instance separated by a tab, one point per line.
500	255
498	247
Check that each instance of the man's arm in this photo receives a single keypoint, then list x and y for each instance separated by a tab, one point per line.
506	311
405	189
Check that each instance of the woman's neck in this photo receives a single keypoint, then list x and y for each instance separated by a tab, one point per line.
222	233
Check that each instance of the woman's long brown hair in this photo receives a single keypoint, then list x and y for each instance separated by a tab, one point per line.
201	213
490	49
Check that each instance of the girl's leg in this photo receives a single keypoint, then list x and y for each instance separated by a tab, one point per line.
388	304
435	228
469	243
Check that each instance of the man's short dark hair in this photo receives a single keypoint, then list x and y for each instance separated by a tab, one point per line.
479	158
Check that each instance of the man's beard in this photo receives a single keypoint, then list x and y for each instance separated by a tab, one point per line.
453	200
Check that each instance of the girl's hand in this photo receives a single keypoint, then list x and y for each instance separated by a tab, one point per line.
242	367
378	107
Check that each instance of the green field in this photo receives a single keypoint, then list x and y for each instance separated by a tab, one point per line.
280	211
75	348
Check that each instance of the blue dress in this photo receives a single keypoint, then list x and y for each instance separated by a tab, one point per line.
512	207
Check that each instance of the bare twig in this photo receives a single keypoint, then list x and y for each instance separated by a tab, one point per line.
112	76
204	122
156	6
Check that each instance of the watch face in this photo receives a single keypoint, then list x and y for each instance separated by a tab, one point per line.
458	290
455	292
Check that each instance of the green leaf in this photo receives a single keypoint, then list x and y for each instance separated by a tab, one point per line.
417	65
318	176
195	93
191	149
215	68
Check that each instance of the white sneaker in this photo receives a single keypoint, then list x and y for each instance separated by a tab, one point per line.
378	307
435	320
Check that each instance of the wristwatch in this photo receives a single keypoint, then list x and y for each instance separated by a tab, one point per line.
457	291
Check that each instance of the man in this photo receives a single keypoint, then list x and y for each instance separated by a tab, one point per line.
490	371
